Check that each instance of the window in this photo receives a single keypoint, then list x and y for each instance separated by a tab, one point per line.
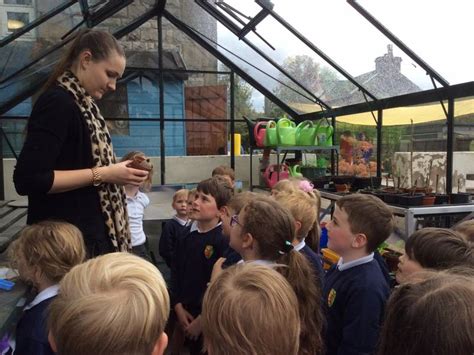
14	15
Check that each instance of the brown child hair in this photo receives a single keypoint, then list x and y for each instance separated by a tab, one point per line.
466	229
217	187
433	315
47	249
113	304
368	215
439	248
272	227
223	170
133	154
259	291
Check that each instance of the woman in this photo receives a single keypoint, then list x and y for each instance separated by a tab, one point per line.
67	165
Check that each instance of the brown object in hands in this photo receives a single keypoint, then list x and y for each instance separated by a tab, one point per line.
141	163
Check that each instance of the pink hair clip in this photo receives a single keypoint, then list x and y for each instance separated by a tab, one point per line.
306	186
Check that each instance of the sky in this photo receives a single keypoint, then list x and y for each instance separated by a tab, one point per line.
439	31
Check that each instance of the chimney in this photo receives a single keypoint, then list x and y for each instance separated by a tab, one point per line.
388	64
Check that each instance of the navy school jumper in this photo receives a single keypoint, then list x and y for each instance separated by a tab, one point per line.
171	232
354	303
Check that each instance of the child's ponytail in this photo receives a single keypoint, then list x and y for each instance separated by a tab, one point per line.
307	287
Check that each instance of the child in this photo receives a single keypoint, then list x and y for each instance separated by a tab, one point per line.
43	254
303	210
302	184
197	250
174	227
251	309
137	201
233	207
355	290
262	233
226	172
434	248
113	304
466	229
189	207
434	315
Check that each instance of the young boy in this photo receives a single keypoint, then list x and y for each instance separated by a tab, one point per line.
113	304
197	250
466	229
174	227
355	290
225	172
434	248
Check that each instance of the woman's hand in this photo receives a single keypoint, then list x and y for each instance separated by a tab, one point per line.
120	174
184	317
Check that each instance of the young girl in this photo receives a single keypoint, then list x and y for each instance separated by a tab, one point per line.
434	248
43	254
262	233
137	201
433	315
304	185
302	208
259	291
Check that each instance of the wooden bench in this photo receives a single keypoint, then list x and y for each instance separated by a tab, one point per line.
12	221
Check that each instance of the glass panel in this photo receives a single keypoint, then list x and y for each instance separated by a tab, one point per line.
238	12
463	169
15	132
17	2
354	49
439	42
17	20
185	51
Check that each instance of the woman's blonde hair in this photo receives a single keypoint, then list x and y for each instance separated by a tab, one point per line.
130	156
272	227
49	247
434	314
114	304
250	309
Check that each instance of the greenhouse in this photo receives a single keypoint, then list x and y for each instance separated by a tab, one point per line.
113	113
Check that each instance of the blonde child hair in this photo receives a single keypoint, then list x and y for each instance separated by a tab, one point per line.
433	314
273	228
114	304
466	229
47	249
292	185
302	208
250	309
181	193
130	156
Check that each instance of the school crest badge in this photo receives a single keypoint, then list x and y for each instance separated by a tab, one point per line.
331	297
208	251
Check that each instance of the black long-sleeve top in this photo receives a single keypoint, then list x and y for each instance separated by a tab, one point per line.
58	139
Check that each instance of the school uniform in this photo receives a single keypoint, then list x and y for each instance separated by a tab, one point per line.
354	295
31	331
231	258
313	258
195	255
171	231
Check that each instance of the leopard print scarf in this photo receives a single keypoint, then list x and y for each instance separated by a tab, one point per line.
112	197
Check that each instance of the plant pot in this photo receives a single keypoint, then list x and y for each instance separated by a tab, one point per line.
392	258
321	182
365	182
312	172
429	200
392	198
380	194
410	200
343	187
461	197
343	179
441	199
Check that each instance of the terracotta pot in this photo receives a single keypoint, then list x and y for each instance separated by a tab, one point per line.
342	187
429	200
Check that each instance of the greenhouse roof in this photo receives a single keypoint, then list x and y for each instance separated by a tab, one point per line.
262	42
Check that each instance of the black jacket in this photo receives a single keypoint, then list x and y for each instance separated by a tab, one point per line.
58	139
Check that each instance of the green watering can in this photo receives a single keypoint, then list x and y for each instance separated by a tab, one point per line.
324	134
286	130
306	133
295	171
271	137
